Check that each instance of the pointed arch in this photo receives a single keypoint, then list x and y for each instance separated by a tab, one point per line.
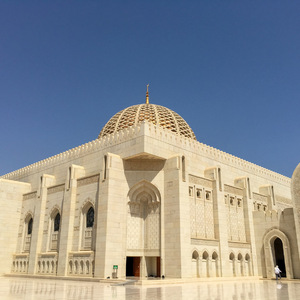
195	254
144	223
87	203
28	216
28	227
240	265
144	190
55	215
215	264
269	251
248	270
87	224
215	255
54	228
232	263
195	263
205	263
205	255
55	209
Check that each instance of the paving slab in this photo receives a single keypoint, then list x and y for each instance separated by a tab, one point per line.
14	288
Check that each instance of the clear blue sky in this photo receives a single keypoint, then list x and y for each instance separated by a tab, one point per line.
231	69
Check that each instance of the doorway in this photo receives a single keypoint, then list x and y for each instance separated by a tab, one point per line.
133	266
279	256
277	250
157	266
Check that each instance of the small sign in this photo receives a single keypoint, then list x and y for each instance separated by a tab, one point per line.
115	267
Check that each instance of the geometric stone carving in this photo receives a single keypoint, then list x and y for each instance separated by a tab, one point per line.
200	180
88	180
56	189
233	190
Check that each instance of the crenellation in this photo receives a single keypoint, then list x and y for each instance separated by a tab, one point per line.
112	139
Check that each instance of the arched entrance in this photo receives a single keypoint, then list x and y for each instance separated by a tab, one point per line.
279	256
277	252
143	231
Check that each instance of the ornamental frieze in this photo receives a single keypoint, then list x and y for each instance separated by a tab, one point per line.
56	188
29	196
200	181
204	242
87	180
260	197
239	245
233	190
283	200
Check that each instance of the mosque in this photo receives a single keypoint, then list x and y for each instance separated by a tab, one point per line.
146	199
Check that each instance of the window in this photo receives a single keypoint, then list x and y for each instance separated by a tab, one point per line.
57	222
239	202
28	232
214	256
208	195
199	193
87	223
29	227
54	230
90	217
205	255
195	255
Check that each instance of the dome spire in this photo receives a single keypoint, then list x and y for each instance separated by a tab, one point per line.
147	95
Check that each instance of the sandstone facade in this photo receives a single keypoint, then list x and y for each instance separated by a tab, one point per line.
145	201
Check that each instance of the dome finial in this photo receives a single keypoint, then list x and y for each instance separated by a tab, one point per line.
147	95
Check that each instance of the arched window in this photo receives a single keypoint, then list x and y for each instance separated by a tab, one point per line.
87	226
57	222
29	227
214	256
195	255
90	217
205	255
54	226
27	232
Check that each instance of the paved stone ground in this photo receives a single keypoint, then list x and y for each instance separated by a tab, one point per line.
14	288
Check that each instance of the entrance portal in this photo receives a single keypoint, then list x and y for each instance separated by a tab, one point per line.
279	256
133	266
277	250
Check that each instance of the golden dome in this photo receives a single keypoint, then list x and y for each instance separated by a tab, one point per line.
156	114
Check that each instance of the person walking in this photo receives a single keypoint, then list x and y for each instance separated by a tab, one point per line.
277	272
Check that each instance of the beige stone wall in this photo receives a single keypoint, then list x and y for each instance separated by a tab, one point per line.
11	196
211	211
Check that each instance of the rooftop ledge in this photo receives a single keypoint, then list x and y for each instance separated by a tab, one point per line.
159	133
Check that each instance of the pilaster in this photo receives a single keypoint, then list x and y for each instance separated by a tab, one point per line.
244	183
67	218
38	220
220	219
173	172
111	219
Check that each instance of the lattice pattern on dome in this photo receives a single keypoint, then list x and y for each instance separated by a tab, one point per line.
156	114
